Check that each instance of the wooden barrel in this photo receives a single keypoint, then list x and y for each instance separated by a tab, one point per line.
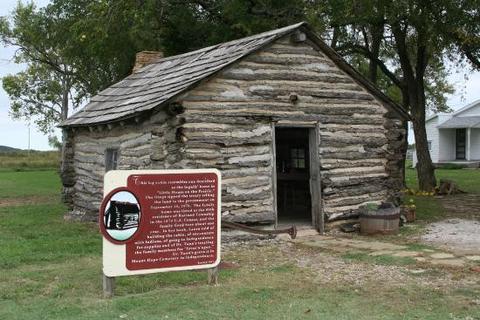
381	221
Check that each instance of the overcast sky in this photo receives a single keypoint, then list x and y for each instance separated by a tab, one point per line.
14	133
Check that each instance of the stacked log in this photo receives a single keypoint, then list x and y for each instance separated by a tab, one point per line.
133	141
67	171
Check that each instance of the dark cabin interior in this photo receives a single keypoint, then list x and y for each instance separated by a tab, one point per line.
293	174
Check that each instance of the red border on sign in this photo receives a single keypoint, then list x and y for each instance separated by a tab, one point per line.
101	222
130	247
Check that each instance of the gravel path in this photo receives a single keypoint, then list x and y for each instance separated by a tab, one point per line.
459	235
329	268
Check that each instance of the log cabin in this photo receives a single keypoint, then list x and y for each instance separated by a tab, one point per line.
297	133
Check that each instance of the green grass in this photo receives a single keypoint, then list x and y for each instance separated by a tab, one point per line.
285	268
51	269
27	161
429	208
29	183
71	290
419	247
30	234
384	260
467	179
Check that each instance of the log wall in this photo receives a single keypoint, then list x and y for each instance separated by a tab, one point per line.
228	126
133	141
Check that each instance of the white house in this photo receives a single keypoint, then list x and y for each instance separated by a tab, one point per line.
454	137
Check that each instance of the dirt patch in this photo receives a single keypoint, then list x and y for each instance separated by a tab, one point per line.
331	269
459	235
10	202
466	206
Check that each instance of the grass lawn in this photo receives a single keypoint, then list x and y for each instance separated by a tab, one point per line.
51	269
15	184
429	208
468	179
28	161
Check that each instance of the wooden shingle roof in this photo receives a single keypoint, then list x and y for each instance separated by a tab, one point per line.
166	78
160	81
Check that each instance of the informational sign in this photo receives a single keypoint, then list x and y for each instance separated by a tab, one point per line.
160	220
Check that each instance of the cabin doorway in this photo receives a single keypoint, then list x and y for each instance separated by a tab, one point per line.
297	176
293	175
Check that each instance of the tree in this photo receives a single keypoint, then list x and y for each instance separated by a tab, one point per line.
192	24
45	89
408	41
37	93
63	66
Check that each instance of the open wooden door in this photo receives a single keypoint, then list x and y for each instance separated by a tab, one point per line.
315	179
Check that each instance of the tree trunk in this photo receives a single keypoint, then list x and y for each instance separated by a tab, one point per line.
64	116
377	37
334	41
67	172
416	95
425	168
414	91
404	153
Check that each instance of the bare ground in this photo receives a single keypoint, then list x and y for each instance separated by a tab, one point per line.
330	269
466	206
461	231
459	235
21	201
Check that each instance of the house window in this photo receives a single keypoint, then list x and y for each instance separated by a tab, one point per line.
429	145
111	159
297	157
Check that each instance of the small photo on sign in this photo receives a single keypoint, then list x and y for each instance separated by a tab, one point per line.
122	216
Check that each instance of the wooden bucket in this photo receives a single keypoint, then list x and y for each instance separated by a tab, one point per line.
381	221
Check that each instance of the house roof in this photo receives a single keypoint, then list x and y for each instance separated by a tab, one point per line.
166	78
461	122
467	107
456	113
431	117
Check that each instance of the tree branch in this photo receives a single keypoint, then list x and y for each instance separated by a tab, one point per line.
40	105
473	59
369	55
365	37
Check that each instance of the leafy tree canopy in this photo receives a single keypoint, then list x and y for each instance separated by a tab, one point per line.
408	41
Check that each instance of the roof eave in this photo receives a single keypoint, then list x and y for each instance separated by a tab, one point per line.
467	107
